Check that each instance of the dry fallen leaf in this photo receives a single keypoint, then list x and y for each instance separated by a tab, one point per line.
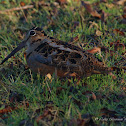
74	39
45	113
93	96
98	33
22	3
3	2
25	55
95	50
92	24
49	76
117	45
109	5
9	109
117	31
61	1
88	7
121	2
90	95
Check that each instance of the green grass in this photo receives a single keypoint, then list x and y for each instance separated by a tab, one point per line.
65	100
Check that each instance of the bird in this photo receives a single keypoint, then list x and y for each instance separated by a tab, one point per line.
48	55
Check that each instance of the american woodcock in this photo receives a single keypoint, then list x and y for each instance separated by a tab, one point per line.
46	54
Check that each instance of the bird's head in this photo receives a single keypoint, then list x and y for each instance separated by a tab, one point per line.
33	36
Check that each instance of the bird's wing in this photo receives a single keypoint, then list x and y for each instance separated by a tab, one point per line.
60	56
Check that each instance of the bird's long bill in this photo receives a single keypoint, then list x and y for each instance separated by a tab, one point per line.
21	45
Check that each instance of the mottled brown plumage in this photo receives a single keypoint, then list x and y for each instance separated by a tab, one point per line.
45	54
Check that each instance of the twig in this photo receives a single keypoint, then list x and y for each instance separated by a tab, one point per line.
16	9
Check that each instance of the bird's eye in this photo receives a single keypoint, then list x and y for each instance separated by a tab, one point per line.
32	33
